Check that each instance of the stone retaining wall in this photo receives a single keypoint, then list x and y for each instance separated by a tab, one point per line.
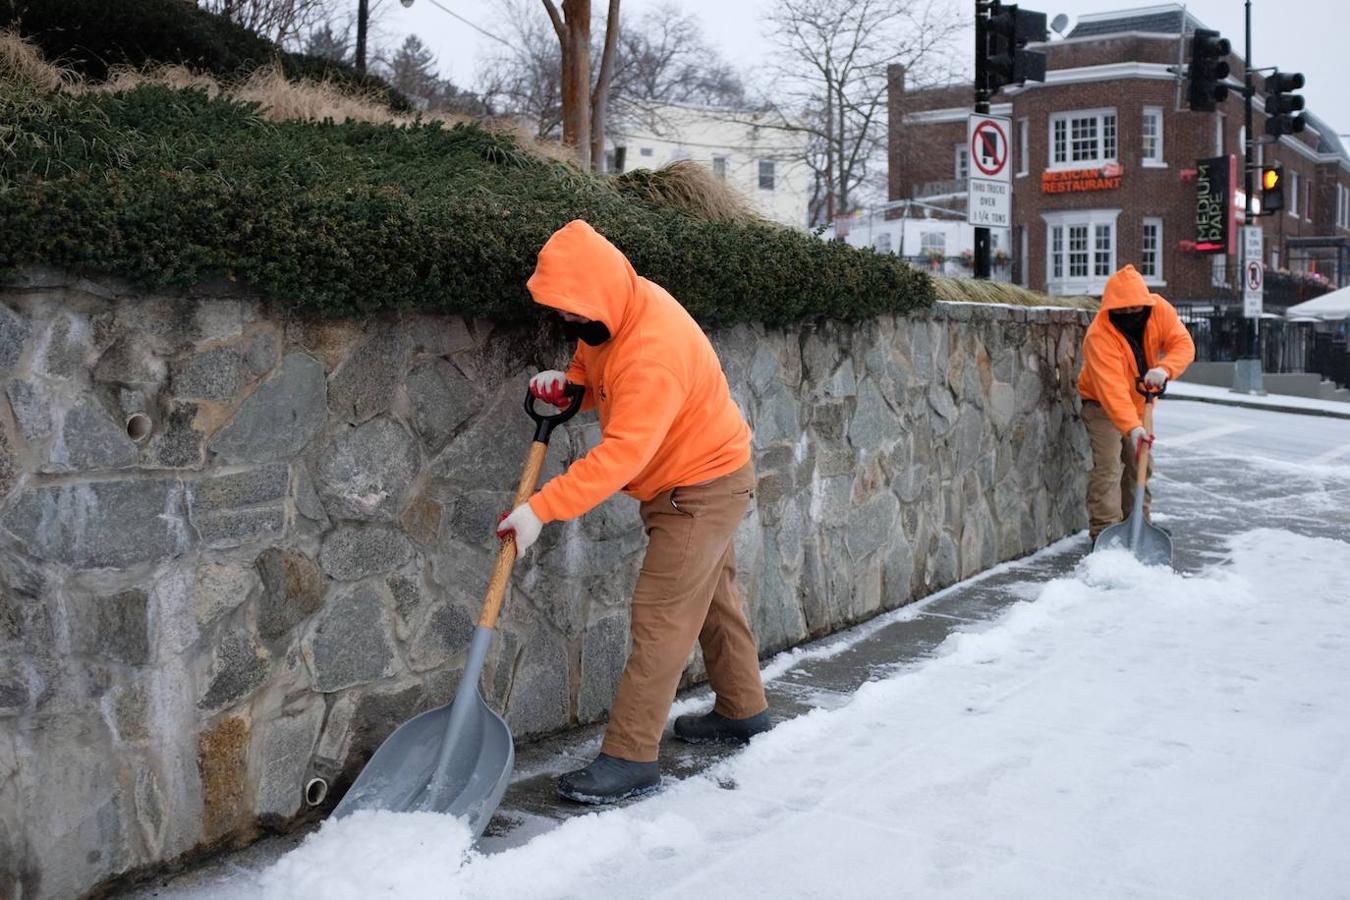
237	548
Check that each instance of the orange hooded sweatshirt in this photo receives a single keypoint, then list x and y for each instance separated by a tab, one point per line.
1109	366
666	414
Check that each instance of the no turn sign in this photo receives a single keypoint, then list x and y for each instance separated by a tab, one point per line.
1253	271
989	188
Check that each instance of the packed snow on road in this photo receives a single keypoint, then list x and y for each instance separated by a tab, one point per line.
1130	732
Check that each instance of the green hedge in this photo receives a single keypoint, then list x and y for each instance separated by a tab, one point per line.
170	187
91	36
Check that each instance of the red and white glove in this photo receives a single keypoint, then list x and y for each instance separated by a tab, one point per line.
549	387
1155	378
1138	438
523	524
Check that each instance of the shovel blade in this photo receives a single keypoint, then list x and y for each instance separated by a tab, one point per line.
1154	547
401	776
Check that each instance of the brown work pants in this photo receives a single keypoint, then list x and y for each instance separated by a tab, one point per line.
686	591
1110	494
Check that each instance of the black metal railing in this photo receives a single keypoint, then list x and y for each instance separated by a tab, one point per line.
1286	347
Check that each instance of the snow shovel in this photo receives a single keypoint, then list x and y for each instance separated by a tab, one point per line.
457	758
1149	543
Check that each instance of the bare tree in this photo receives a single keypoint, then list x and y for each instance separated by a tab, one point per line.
663	57
660	57
831	79
282	21
583	102
327	42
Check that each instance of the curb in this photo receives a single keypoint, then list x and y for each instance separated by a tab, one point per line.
1269	407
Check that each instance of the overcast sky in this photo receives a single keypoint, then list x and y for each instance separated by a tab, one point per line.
1297	35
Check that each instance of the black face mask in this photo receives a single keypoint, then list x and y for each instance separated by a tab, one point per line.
591	333
1131	324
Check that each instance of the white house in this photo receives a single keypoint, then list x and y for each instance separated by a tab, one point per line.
752	151
926	235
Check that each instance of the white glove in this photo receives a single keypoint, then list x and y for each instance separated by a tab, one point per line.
549	386
1155	378
524	524
1139	437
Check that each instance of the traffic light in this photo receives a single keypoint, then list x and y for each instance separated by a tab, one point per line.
1280	103
1209	67
1000	45
1272	189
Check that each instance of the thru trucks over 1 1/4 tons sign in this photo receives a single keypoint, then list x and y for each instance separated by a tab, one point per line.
989	197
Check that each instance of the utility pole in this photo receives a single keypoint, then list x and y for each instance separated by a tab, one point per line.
362	25
1254	380
982	239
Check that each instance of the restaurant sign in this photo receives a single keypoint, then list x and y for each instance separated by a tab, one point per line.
1072	181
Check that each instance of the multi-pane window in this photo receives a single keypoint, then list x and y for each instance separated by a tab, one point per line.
766	174
1081	250
1151	131
720	168
1150	250
1307	199
962	162
933	243
1082	138
1293	194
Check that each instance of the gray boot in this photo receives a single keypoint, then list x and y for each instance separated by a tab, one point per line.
609	780
715	728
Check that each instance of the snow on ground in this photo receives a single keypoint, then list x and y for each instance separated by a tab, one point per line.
1132	733
1182	390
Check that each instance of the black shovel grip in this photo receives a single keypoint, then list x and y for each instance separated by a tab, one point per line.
544	425
1149	394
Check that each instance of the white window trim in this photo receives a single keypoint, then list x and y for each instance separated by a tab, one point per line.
1079	114
1161	161
1292	195
1157	278
1307	201
957	151
1023	148
1093	284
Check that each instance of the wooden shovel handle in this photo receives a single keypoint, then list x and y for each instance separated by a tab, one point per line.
506	556
1141	476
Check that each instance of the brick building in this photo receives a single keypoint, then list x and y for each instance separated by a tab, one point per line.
1103	156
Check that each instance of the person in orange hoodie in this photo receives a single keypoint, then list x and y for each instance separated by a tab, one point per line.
672	438
1136	340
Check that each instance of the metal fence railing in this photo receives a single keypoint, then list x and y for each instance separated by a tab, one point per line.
1286	346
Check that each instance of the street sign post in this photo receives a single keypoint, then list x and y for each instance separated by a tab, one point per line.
1253	271
990	178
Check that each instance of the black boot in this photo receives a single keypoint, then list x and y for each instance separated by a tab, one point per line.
715	728
609	780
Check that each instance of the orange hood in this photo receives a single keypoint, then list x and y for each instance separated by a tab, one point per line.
581	273
1125	288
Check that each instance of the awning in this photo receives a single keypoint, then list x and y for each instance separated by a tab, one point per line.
1327	308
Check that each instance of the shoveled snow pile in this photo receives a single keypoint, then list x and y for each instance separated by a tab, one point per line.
1131	732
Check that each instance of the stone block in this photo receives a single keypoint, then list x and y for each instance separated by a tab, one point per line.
292	589
115	628
14	331
365	472
604	651
262	351
365	384
177	443
222	766
32	410
117	523
211	375
240	508
539	698
285	747
353	552
279	418
131	362
90	439
445	633
351	643
238	668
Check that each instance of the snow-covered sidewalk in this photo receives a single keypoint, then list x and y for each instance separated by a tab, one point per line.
1182	390
1132	732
